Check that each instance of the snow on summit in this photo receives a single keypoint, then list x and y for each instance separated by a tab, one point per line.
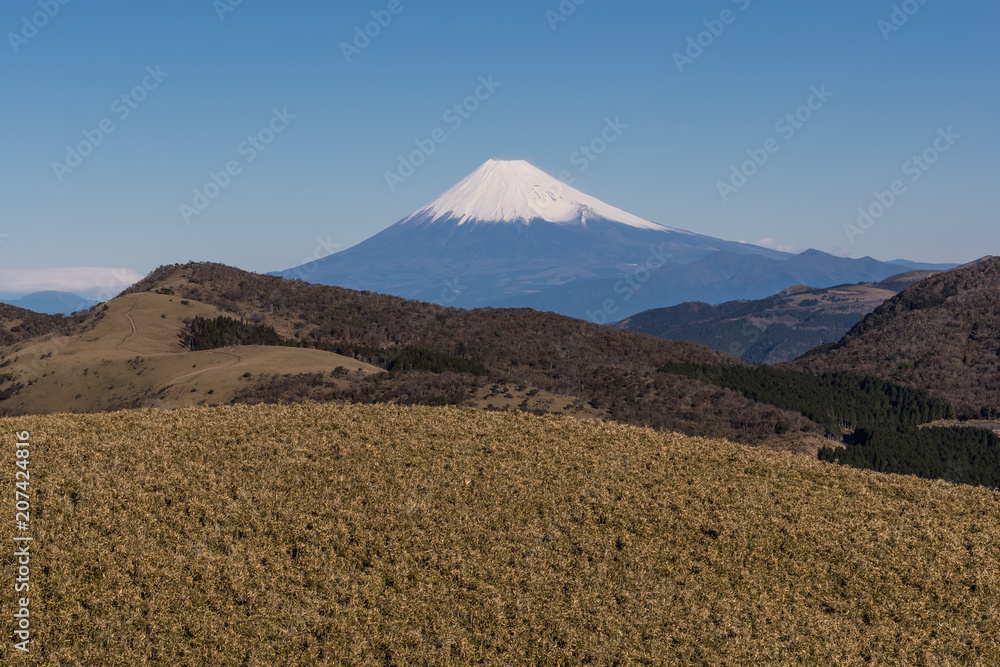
516	191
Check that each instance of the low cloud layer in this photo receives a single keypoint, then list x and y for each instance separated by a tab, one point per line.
93	282
775	245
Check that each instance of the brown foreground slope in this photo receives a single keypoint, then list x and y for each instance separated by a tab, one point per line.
941	334
386	535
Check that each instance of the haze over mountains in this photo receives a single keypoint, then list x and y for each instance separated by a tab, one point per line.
51	302
511	235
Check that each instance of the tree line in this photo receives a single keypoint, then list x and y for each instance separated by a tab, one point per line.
211	334
203	333
878	422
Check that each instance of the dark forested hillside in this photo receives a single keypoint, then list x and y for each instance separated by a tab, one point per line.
209	334
18	325
941	334
879	422
834	399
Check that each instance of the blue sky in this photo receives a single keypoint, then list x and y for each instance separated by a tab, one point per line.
213	74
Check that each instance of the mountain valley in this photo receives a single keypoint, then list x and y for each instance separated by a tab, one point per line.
779	328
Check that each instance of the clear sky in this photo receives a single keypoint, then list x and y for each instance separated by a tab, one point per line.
200	78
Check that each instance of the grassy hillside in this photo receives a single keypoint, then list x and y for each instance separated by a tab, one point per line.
942	334
312	535
128	354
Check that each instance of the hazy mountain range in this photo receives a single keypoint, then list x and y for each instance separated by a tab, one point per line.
778	328
51	302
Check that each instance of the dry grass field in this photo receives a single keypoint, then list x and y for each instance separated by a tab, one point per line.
385	535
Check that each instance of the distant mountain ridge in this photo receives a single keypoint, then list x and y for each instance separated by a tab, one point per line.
52	302
716	278
778	328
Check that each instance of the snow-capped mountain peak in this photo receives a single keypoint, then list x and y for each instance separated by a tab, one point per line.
515	191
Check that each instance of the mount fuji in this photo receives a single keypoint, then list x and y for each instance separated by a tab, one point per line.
509	234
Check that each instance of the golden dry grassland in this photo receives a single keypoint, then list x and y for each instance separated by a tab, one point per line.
133	355
385	535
